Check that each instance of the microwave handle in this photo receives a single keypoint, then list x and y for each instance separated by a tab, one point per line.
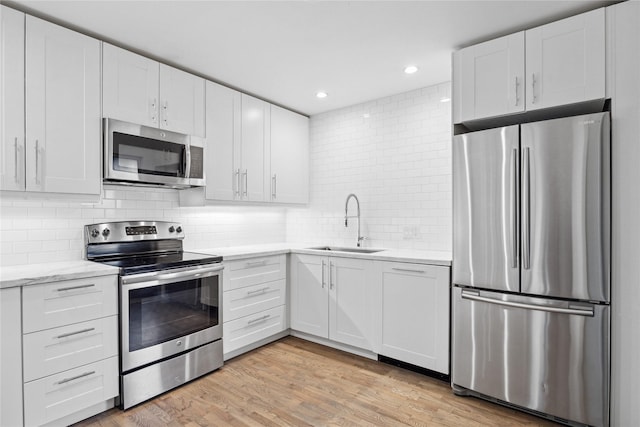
187	161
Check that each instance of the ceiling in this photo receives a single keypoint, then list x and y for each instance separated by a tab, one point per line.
286	51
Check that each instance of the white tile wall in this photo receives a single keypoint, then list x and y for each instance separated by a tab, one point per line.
394	153
397	160
34	230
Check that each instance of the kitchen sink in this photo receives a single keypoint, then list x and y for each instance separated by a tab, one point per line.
343	249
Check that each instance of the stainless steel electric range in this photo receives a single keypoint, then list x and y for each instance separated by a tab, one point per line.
170	305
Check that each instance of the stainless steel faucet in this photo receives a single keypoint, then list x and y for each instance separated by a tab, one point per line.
346	215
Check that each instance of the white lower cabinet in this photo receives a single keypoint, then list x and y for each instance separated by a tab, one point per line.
254	328
55	350
69	349
254	302
334	298
57	396
414	321
10	358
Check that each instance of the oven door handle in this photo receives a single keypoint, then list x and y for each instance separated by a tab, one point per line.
193	272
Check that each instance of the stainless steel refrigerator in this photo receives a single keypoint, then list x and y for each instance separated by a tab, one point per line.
531	258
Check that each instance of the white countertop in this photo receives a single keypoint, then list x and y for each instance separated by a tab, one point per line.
396	255
33	274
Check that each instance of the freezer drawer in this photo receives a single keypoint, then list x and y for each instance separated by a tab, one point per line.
552	358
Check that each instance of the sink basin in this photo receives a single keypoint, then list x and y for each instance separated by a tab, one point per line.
342	249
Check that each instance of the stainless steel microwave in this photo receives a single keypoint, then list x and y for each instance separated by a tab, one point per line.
142	155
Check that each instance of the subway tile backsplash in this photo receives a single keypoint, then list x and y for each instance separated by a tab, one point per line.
34	230
394	153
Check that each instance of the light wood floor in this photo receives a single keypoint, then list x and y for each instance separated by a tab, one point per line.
293	382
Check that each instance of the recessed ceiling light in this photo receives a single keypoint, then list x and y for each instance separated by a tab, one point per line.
321	94
410	69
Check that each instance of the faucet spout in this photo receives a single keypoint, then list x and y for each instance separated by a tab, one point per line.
346	215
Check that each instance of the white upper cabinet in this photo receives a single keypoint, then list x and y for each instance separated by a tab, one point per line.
255	136
237	137
555	64
140	90
11	99
222	159
130	86
289	152
63	135
50	108
181	101
492	77
566	61
255	151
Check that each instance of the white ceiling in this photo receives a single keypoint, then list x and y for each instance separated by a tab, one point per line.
285	51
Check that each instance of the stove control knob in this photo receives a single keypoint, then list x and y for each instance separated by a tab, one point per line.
95	233
106	232
171	229
179	229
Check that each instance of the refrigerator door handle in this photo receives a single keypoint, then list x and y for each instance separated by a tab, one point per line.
526	211
474	296
514	214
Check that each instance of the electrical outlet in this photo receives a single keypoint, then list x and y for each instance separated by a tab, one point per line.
409	232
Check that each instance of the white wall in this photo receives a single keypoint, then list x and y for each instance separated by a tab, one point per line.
624	25
397	160
36	230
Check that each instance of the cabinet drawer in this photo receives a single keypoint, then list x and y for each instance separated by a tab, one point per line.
54	350
71	301
248	272
247	330
253	299
59	395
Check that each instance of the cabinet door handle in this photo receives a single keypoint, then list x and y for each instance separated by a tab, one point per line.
407	270
246	185
66	380
165	113
330	274
533	87
236	190
323	282
517	98
258	291
154	110
37	162
259	319
73	288
15	159
76	333
273	185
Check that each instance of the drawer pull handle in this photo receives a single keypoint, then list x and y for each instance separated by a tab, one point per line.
251	263
259	319
76	333
409	270
73	288
66	380
258	291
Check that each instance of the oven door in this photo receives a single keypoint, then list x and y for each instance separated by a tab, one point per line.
168	312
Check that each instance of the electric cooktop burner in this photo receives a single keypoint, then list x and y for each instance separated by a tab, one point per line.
156	262
141	246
